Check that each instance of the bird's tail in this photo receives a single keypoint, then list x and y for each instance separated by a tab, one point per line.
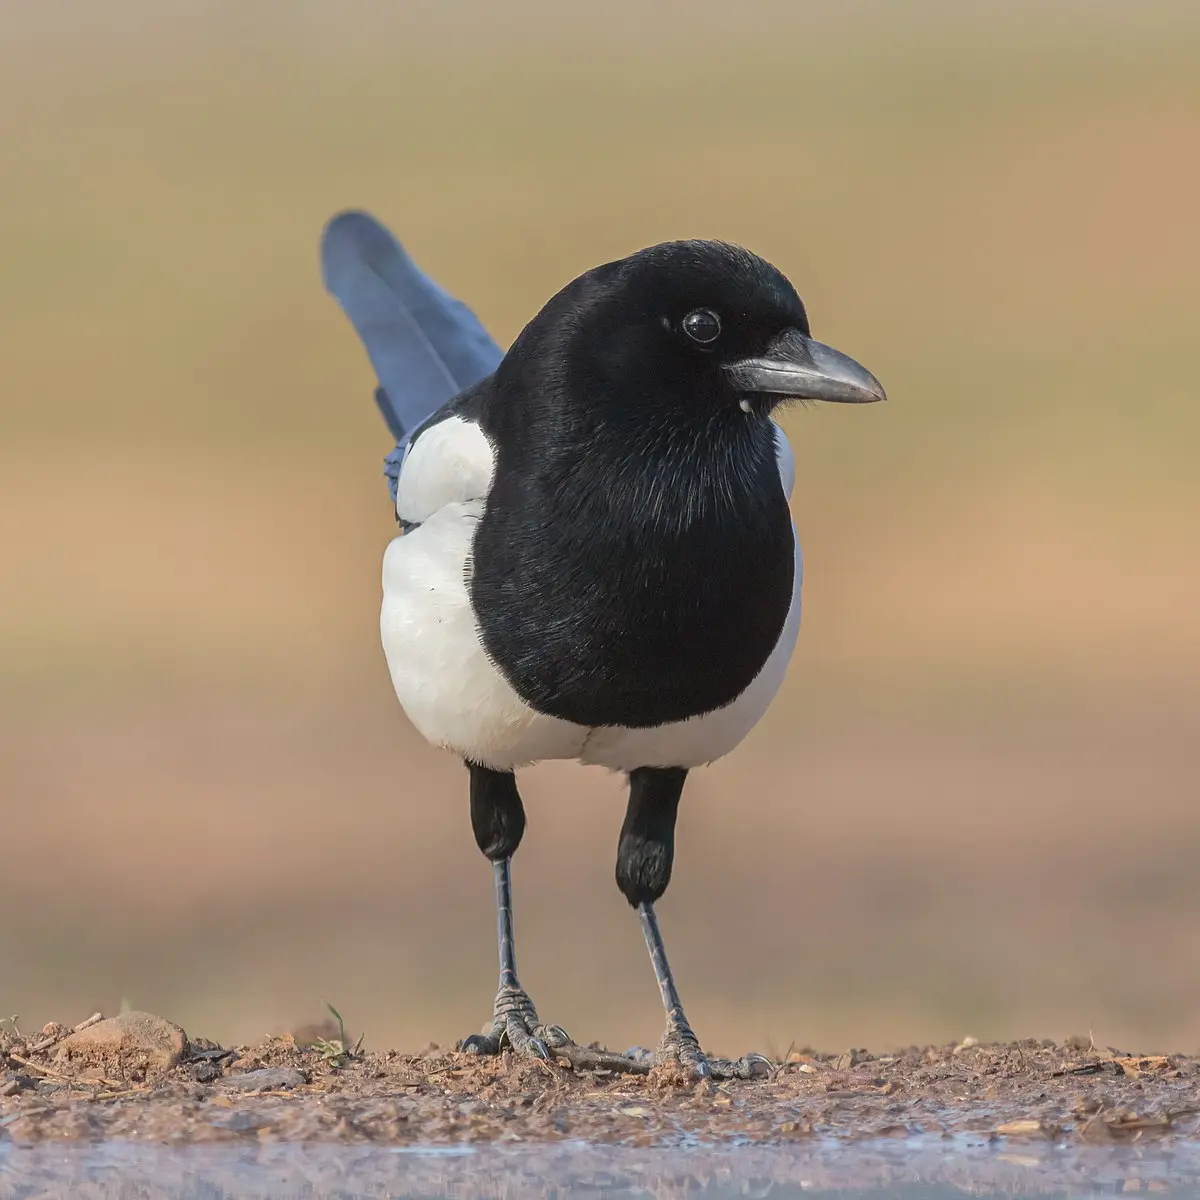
425	345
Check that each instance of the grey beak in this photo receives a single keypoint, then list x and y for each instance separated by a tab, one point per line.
796	366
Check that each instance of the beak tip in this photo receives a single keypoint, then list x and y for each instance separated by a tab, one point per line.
797	366
872	390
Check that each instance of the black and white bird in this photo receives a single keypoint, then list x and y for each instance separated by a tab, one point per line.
597	559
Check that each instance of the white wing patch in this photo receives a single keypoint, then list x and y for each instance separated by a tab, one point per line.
450	463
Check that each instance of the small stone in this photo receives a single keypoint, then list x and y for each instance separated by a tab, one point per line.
1024	1128
242	1122
199	1048
268	1079
131	1046
795	1128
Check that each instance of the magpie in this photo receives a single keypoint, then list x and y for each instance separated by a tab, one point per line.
596	558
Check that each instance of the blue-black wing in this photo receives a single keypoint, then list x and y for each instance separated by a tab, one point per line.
426	346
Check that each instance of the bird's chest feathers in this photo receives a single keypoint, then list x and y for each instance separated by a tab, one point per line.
636	602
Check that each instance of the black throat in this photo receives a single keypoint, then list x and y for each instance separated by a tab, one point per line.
629	571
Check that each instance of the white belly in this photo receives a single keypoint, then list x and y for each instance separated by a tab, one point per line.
458	700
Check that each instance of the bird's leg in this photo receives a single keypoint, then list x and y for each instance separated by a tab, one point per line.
498	819
644	857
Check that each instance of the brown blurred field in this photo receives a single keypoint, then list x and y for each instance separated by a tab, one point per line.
974	809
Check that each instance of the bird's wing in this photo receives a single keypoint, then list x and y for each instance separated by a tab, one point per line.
426	346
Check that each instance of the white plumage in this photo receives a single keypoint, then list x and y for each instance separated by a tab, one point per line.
443	677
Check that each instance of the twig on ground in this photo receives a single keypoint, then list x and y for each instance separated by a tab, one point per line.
584	1058
47	1042
53	1074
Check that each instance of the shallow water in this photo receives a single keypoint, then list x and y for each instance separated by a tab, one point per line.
912	1169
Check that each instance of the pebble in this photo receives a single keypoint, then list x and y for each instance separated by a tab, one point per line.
132	1035
266	1079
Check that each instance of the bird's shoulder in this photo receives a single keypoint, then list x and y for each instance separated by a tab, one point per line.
448	460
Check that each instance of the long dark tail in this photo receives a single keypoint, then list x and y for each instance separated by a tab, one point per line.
425	345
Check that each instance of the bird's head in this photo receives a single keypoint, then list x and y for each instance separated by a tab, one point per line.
689	330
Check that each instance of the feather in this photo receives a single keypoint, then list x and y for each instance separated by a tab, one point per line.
426	346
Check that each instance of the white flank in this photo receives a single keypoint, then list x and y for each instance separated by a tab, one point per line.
446	683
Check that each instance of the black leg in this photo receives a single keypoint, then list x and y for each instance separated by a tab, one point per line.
645	854
498	818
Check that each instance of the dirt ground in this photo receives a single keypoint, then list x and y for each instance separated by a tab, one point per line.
140	1077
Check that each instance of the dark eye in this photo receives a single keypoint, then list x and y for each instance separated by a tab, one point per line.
703	326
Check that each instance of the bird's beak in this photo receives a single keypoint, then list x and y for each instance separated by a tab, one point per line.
797	367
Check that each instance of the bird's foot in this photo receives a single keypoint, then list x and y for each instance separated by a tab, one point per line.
515	1025
680	1048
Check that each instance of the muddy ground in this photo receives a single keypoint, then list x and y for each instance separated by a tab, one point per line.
140	1077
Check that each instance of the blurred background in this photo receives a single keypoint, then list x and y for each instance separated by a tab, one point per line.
975	808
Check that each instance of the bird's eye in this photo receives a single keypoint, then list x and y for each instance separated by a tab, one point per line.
703	326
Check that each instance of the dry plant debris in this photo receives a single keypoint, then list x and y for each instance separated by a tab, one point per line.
139	1076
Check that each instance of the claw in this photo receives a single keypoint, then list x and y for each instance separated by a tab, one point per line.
691	1058
516	1034
757	1066
515	1025
680	1047
752	1066
479	1043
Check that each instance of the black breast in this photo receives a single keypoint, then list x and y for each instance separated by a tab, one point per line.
634	590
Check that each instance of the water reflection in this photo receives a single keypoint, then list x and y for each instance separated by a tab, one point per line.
912	1169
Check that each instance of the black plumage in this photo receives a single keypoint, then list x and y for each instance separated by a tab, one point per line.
599	559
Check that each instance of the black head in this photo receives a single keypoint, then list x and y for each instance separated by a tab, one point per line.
689	330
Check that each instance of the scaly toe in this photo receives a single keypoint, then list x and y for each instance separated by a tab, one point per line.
752	1066
524	1043
484	1044
682	1050
554	1036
